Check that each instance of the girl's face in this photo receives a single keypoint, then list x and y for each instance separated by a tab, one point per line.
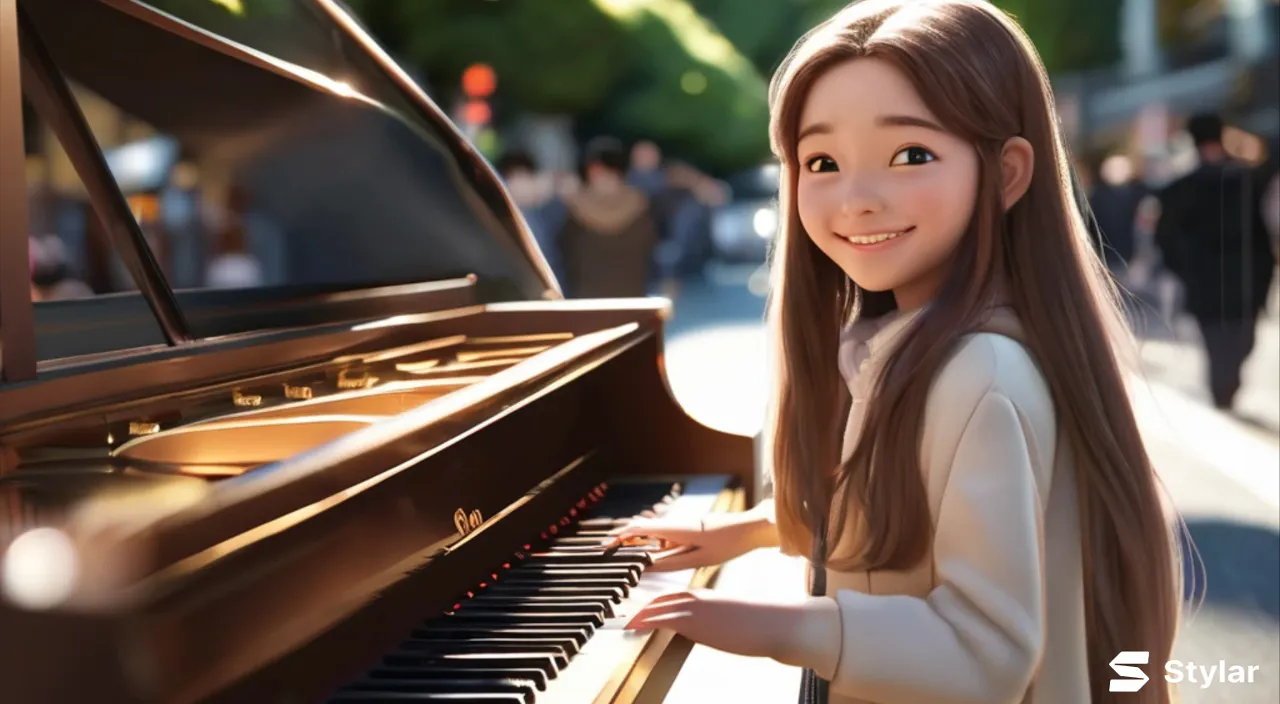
883	190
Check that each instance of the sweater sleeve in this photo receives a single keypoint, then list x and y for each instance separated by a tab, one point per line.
979	635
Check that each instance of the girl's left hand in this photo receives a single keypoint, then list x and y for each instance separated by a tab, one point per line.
731	625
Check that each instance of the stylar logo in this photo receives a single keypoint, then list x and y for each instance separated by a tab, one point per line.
1123	664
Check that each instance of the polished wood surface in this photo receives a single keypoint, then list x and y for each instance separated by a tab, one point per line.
296	573
17	344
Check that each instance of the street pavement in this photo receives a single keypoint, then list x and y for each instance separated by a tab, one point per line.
1220	471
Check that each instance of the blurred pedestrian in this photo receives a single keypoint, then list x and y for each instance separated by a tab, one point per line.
1212	237
609	231
1115	200
1269	182
534	193
682	198
51	276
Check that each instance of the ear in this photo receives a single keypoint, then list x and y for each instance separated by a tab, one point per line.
1017	161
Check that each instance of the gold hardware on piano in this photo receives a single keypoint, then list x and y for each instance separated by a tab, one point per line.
466	523
242	400
136	428
348	379
298	393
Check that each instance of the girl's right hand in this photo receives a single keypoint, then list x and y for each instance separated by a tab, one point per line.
685	544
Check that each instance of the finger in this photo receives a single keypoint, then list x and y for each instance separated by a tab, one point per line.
672	620
676	560
661	599
654	542
670	597
665	531
663	609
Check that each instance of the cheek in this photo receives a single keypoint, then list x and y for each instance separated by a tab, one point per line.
813	208
943	202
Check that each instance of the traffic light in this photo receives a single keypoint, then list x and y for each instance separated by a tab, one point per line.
478	84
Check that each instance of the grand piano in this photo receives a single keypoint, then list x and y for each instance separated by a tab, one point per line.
382	473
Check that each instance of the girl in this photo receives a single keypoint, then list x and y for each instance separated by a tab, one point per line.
952	441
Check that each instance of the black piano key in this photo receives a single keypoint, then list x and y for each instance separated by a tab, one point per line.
532	614
553	573
546	662
586	534
597	555
577	539
631	572
444	644
544	603
486	645
639	552
537	677
568	579
600	566
524	688
498	620
603	523
612	594
577	637
398	697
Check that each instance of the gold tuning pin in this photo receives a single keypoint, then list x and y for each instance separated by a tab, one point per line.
348	379
299	393
143	428
245	400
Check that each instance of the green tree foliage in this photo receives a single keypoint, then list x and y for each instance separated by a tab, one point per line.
1074	36
1070	36
563	56
763	31
688	88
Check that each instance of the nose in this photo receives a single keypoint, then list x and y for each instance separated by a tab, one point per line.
860	197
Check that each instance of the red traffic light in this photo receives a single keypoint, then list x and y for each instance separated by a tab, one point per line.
476	112
479	81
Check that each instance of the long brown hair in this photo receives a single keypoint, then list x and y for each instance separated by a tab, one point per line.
979	74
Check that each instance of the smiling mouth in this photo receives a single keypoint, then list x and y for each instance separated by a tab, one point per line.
876	238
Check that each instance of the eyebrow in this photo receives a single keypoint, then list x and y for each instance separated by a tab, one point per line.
882	120
908	121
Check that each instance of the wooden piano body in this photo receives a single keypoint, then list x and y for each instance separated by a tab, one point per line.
254	494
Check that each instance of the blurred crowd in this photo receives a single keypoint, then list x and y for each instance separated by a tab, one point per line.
1204	244
623	224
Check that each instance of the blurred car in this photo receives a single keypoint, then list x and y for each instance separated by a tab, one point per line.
742	229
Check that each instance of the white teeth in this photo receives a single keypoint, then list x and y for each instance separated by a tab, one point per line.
873	239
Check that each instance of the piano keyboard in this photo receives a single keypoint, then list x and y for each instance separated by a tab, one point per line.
549	627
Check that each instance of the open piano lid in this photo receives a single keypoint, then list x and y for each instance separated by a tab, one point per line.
354	179
328	529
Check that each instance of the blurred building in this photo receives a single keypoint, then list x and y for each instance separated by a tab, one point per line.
1228	60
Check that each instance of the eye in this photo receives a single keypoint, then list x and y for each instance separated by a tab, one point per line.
819	164
912	156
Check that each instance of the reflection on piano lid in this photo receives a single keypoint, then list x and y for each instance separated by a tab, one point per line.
381	476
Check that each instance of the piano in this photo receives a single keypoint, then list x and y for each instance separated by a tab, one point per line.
380	472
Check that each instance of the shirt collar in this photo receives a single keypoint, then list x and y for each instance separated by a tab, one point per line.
869	339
